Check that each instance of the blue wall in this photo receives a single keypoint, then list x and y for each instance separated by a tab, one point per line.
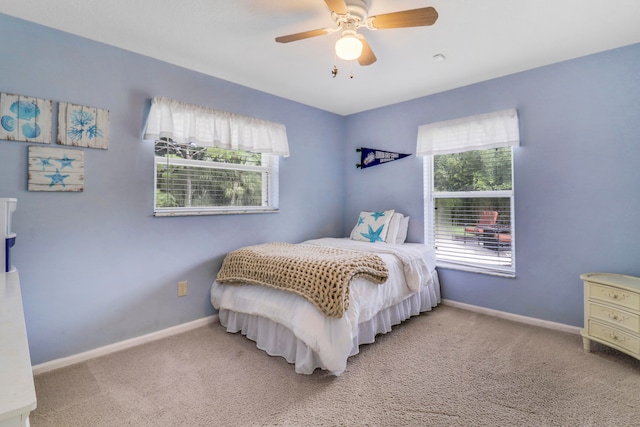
96	267
577	178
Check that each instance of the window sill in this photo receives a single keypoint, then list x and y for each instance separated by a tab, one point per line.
200	212
475	269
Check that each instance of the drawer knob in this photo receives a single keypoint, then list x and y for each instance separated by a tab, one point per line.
617	296
615	337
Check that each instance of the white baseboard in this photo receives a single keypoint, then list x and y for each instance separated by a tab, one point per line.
121	345
514	317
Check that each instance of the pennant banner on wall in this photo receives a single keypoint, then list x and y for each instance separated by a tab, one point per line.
372	157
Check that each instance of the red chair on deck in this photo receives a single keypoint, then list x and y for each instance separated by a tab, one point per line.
486	223
503	241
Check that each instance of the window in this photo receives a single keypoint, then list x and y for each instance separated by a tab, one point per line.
213	162
470	209
468	200
194	180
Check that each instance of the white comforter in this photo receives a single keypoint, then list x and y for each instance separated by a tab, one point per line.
410	267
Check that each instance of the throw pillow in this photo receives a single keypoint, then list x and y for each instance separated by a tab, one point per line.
372	226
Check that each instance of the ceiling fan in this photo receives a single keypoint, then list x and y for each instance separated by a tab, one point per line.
350	15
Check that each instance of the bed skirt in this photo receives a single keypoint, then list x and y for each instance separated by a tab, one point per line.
277	340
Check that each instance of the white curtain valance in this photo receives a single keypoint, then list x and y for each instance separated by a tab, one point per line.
478	132
187	123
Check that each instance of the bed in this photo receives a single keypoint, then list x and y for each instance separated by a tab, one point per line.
286	324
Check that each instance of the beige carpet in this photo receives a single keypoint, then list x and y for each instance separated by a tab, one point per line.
449	367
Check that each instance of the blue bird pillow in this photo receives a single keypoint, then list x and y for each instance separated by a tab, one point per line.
372	226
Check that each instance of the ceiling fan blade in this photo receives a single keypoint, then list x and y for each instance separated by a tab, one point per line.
337	6
367	57
303	35
406	18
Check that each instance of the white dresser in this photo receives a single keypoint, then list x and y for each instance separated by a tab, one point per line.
17	392
612	312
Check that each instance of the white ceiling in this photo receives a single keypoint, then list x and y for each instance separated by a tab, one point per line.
234	40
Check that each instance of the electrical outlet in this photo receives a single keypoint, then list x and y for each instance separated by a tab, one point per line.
182	288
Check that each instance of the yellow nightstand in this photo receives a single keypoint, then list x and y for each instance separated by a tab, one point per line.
612	312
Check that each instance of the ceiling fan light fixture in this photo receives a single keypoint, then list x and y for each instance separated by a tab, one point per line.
349	47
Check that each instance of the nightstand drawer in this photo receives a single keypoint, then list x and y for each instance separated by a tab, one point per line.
614	316
611	295
615	337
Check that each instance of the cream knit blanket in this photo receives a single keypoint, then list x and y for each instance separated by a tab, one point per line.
320	274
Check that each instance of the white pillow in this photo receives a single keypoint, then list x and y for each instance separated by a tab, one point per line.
402	230
394	226
372	226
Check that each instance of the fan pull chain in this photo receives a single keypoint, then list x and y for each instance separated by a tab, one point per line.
334	71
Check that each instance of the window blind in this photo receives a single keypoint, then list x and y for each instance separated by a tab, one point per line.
193	180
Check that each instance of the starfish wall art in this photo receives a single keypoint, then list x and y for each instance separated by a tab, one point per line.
55	169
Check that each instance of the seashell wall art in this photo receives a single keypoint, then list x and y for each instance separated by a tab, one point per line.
24	118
